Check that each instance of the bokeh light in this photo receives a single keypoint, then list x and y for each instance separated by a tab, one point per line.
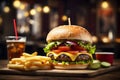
26	14
64	18
16	3
39	9
46	9
32	12
22	6
94	39
105	5
6	9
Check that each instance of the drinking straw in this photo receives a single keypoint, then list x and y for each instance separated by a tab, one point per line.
15	29
69	21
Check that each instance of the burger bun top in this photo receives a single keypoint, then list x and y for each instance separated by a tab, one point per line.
69	32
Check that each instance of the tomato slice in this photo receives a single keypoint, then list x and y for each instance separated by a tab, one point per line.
56	51
64	48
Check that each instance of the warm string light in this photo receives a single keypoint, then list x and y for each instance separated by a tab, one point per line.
26	14
105	39
105	4
64	18
32	11
16	3
22	6
6	9
94	39
19	5
39	9
46	9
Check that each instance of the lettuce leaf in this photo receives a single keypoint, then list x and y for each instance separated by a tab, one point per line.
88	46
91	48
50	45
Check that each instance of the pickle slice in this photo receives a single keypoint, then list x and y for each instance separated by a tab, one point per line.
105	64
95	64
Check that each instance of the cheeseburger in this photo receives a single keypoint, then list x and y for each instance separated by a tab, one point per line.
69	47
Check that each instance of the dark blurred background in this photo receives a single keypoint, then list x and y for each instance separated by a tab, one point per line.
35	18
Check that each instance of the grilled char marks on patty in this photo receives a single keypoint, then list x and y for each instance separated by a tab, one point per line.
83	57
63	57
51	56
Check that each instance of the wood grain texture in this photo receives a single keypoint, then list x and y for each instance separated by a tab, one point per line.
61	73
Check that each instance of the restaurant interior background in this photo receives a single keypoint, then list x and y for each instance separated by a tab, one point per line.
35	18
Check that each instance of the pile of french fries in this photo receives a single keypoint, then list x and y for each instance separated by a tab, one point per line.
30	62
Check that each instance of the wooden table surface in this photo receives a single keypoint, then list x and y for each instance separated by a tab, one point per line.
113	75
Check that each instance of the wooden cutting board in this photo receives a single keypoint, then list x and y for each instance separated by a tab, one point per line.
54	72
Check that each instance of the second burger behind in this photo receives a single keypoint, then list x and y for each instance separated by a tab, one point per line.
70	47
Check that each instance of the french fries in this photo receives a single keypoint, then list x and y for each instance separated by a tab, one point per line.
14	66
30	62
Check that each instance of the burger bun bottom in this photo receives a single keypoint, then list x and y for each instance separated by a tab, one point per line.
72	67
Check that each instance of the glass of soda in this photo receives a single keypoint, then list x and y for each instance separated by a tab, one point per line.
15	46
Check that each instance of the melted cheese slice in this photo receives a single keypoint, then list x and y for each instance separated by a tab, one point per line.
72	56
